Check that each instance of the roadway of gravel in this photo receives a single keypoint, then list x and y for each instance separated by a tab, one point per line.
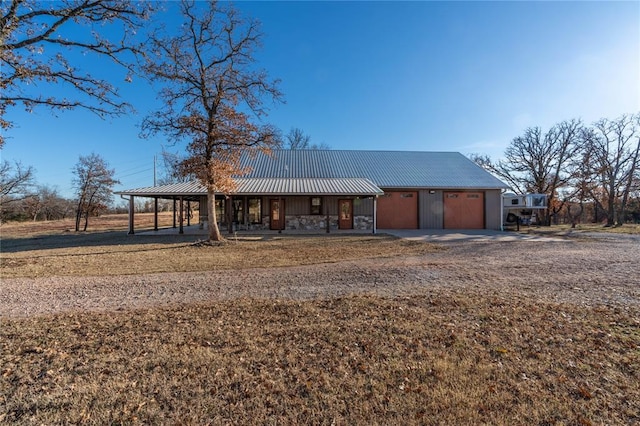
589	271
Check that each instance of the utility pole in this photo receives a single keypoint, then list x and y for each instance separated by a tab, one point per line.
154	170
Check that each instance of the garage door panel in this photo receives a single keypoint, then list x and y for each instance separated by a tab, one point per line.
464	210
398	210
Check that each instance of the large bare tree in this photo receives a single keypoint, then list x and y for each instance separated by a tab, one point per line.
540	162
614	147
36	39
94	182
211	88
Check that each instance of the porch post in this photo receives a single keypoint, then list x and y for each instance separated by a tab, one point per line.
283	219
326	207
174	212
245	211
230	214
188	213
375	212
155	214
181	216
131	211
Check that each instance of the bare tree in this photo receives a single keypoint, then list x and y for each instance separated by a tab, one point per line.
502	170
171	170
46	204
209	75
36	38
540	162
16	184
298	139
94	182
615	157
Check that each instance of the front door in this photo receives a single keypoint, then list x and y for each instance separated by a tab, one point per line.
277	214
345	217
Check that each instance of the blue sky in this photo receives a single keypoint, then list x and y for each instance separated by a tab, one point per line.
432	76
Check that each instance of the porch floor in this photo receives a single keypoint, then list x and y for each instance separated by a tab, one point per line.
195	230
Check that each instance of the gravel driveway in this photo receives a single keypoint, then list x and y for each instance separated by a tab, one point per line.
591	271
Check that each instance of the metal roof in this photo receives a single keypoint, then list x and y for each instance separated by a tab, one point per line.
386	169
267	186
342	172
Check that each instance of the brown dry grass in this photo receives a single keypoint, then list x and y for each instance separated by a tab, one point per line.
627	228
447	356
46	249
442	358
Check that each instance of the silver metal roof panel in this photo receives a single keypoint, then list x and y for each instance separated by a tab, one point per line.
268	186
345	172
387	169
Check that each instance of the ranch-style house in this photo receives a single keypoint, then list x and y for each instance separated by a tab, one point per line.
348	189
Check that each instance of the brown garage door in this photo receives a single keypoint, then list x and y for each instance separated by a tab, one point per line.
398	210
464	210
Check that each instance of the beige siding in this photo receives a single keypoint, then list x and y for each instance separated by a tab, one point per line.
430	209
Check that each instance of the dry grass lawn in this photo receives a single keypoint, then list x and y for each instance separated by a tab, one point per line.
444	357
46	249
585	228
438	359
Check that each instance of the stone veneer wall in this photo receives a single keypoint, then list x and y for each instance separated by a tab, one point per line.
317	222
363	222
309	223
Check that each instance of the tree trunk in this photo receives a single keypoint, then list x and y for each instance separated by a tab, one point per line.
78	216
611	207
628	184
214	232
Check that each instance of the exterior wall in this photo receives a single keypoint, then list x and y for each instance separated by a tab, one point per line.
363	222
430	212
362	207
319	223
310	222
430	209
297	215
492	209
298	218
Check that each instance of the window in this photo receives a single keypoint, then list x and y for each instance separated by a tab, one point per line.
316	205
255	210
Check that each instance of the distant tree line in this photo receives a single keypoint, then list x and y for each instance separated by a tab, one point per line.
21	198
587	171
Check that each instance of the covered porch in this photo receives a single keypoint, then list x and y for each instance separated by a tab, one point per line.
270	204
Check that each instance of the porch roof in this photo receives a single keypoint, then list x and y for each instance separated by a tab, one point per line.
266	186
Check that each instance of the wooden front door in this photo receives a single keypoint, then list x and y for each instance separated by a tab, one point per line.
345	215
277	214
